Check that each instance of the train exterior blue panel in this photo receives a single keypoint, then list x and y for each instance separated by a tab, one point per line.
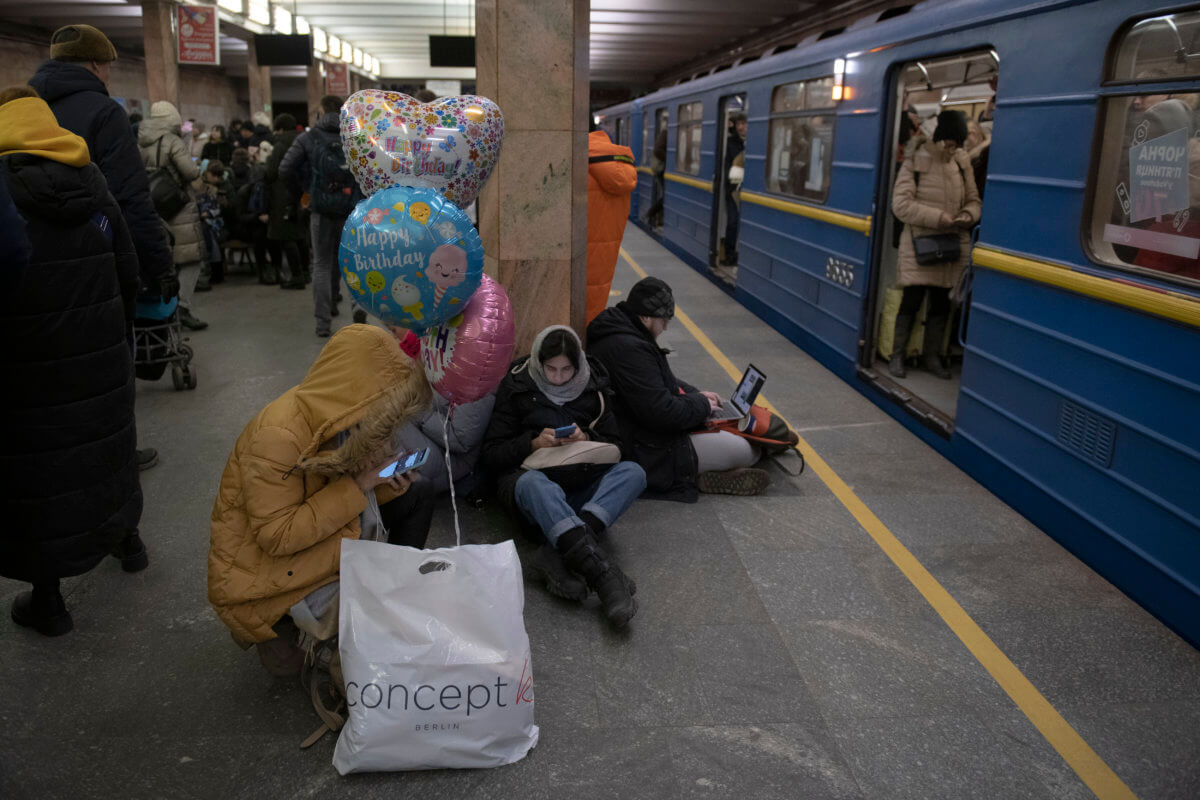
1079	412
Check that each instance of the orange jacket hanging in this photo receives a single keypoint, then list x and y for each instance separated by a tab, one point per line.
611	180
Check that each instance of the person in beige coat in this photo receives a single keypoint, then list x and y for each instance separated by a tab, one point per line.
303	475
161	146
934	194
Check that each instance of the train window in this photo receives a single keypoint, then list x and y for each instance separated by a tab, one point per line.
800	138
620	131
1146	189
1167	47
690	118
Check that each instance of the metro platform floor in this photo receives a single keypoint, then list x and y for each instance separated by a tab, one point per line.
779	651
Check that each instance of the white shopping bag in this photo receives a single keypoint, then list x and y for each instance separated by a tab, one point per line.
435	658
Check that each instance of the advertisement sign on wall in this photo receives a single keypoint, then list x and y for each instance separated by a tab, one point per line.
337	79
197	35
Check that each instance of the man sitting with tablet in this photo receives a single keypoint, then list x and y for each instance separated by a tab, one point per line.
662	418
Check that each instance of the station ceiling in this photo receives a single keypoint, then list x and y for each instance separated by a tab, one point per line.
634	43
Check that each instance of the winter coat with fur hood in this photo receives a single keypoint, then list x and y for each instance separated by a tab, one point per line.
287	497
163	127
945	184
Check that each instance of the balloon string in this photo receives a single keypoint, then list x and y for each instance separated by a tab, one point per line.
450	473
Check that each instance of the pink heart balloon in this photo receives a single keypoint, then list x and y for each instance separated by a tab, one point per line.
450	145
466	356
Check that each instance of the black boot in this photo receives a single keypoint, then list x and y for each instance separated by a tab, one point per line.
581	554
131	552
546	566
267	274
935	331
904	323
43	610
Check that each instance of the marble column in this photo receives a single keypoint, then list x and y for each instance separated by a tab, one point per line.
531	58
315	86
260	83
162	66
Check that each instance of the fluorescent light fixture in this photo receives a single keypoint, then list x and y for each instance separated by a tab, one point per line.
259	11
335	46
839	73
357	57
231	5
375	65
320	43
347	52
283	20
302	26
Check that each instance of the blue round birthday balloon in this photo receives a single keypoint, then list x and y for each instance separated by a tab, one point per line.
410	257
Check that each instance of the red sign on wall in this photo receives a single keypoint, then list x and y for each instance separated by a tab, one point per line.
197	35
337	79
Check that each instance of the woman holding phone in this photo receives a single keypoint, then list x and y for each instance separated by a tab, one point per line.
554	398
311	469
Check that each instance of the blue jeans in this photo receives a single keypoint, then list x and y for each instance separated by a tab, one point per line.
555	511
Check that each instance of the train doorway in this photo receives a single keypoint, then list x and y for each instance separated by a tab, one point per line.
729	167
925	304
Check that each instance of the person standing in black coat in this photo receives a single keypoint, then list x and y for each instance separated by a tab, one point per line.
554	388
284	227
662	417
69	492
73	83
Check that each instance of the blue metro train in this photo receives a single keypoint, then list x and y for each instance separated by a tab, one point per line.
1075	349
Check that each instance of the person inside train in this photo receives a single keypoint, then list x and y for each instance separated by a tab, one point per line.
936	199
549	406
658	168
663	418
308	471
979	142
735	146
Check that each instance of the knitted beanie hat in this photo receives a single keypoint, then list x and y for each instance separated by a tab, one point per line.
651	297
951	125
81	43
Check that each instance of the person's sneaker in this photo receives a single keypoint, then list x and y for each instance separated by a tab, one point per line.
131	552
146	458
741	481
49	617
190	321
547	567
360	316
203	286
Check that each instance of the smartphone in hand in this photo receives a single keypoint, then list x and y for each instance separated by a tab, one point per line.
406	463
564	432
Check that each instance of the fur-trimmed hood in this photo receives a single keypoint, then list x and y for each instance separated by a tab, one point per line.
364	384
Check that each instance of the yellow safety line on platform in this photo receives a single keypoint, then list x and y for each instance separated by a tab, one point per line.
852	221
1091	769
1179	307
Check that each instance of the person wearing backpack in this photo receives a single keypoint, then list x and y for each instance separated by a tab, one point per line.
166	158
317	161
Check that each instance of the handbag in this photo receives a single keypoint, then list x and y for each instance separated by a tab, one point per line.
435	658
937	248
761	426
168	196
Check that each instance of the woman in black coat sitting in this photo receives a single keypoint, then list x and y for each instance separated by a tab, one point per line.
69	493
554	398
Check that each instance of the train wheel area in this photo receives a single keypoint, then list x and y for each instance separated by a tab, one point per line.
880	626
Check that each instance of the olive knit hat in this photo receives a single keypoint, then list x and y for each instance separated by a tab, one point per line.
81	43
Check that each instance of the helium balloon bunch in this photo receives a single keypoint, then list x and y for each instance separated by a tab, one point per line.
409	254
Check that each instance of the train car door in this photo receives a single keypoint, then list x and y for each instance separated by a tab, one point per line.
906	301
727	184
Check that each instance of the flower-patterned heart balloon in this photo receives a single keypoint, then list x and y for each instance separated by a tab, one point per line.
450	145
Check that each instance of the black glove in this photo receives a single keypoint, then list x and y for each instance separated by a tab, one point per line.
170	287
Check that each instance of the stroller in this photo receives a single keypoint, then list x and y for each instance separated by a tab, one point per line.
157	343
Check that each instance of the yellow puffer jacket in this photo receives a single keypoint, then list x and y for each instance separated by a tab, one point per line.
287	497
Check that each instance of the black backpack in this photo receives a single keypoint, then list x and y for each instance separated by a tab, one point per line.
168	196
332	191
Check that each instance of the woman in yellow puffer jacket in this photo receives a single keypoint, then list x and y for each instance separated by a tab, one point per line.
304	474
